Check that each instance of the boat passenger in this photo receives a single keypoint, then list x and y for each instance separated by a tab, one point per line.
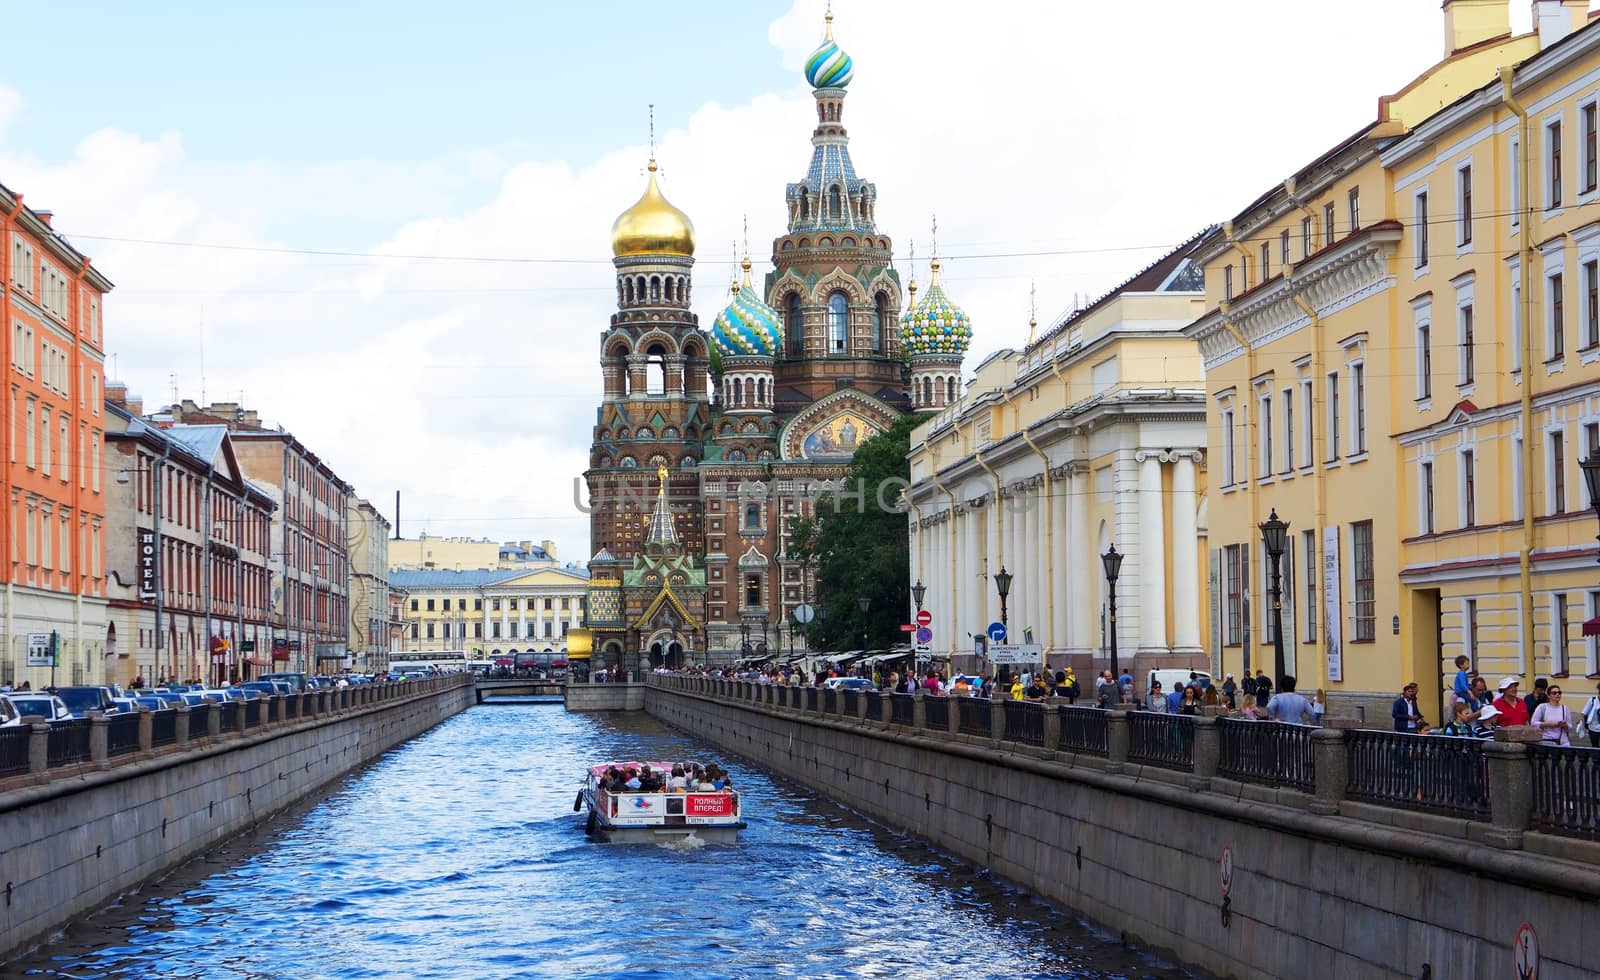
677	782
632	782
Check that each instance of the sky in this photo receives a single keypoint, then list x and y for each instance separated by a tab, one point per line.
386	226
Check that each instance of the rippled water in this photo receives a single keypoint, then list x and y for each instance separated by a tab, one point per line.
458	855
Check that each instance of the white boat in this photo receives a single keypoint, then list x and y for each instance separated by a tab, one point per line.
631	816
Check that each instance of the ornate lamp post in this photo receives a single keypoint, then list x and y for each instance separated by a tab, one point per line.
1002	583
865	602
918	591
1591	478
1113	564
1275	533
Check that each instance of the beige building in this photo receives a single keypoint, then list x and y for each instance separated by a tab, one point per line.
490	612
369	586
1093	435
459	554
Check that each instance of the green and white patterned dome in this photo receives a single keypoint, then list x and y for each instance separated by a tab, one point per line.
935	325
747	327
829	66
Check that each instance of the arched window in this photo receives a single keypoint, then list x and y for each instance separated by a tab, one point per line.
639	292
752	517
835	209
880	316
683	289
655	288
794	327
761	392
738	392
656	369
951	397
666	292
805	204
838	324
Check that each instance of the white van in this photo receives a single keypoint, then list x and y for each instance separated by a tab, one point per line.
1173	676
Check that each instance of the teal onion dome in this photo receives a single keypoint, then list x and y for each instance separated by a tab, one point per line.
747	327
935	325
829	66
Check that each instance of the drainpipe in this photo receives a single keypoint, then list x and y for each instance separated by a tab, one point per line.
6	231
1525	553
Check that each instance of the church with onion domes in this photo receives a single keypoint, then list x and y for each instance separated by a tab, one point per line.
707	443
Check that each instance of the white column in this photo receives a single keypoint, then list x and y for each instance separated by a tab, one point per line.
1040	519
971	566
1186	596
1152	557
522	618
988	607
1083	563
1057	563
1017	564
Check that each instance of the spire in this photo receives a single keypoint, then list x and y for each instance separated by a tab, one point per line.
911	302
733	278
827	20
662	530
745	264
1033	311
933	263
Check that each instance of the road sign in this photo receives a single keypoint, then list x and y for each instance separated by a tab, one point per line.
1015	653
804	613
997	632
924	635
39	654
1225	866
924	617
907	628
247	646
1526	953
923	649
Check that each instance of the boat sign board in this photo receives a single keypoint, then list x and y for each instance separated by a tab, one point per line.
708	808
1015	653
640	808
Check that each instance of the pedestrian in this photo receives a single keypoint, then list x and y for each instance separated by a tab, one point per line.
1539	695
1405	712
1154	701
1229	689
1591	718
1247	687
1208	695
1319	707
1263	687
1287	706
1552	719
1074	689
1511	708
1460	722
1480	697
1251	709
1462	688
1190	705
1175	699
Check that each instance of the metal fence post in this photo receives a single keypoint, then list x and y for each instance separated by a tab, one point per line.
1117	737
1207	751
1510	786
99	736
39	748
1332	769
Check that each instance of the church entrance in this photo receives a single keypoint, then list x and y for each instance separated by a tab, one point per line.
665	650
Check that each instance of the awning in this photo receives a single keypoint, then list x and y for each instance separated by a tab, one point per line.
256	662
1591	627
580	644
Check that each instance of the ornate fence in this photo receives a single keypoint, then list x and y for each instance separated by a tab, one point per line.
852	702
1025	722
14	749
830	701
163	727
874	705
122	733
68	742
1566	790
1160	739
901	709
974	716
1084	730
1418	772
1267	752
936	713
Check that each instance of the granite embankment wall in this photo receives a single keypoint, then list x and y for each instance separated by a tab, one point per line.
1364	892
604	697
73	839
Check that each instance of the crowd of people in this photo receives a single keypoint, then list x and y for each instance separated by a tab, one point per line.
683	777
1474	712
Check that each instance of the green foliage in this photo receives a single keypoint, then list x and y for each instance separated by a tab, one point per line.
860	548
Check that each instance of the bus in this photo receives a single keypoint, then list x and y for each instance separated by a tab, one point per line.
426	660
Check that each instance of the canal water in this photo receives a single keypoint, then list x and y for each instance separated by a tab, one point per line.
458	855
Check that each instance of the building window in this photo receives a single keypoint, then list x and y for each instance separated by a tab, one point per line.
1471	629
1232	559
794	326
1427	497
838	324
1283	247
430	631
1355	209
1591	304
880	320
1366	598
1308	547
1420	220
414	630
547	604
1227	282
1558	319
1592	645
413	605
1464	206
1266	261
1464	327
752	591
1229	450
494	630
1309	421
1558	473
1305	238
1589	148
1264	420
1327	223
1333	415
430	605
1552	142
494	605
1558	637
1358	384
1469	489
752	517
1424	360
477	605
477	631
1288	429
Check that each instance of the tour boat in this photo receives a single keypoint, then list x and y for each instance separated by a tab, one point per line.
632	817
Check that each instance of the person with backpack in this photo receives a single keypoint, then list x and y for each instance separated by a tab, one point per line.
1591	719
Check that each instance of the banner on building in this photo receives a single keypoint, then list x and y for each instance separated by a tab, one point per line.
41	650
1332	603
149	564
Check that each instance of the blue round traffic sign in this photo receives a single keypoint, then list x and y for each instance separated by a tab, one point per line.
997	632
924	635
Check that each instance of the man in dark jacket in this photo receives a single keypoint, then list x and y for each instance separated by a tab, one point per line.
1407	716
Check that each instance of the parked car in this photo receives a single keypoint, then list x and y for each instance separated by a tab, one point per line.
267	688
167	699
9	715
152	702
84	699
848	683
295	679
129	705
46	706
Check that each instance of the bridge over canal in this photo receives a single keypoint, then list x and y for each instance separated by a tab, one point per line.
521	690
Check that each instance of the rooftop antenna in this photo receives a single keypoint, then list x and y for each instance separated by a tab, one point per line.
1033	310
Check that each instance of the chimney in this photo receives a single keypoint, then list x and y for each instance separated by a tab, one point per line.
1555	19
549	547
45	216
1469	22
117	394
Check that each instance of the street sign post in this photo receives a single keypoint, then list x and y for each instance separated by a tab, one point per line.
803	614
924	617
997	632
907	628
1013	654
924	636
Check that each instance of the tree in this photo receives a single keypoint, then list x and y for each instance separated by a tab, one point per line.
860	547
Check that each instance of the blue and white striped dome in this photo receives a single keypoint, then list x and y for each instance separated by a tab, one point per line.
829	66
747	327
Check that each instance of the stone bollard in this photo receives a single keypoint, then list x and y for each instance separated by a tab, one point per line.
1331	768
99	739
239	722
1510	785
147	733
1117	737
953	717
1052	724
886	709
213	719
1207	752
997	720
180	725
861	707
919	711
38	747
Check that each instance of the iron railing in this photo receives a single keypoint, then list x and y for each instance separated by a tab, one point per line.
14	749
902	709
936	713
122	734
1025	722
811	698
230	717
974	716
252	713
875	705
1084	730
851	702
68	742
1566	790
1271	752
830	701
1434	773
163	727
1161	739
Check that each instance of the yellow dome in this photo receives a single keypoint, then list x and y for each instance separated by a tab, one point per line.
652	225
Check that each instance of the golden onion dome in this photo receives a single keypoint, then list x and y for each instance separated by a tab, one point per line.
652	225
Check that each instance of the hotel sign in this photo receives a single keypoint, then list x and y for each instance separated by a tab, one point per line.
149	557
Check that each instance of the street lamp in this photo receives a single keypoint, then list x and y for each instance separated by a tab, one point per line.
918	591
1113	564
1591	477
1002	582
744	644
865	602
1274	533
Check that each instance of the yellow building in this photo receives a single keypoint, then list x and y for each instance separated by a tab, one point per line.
1090	436
457	553
489	612
1371	381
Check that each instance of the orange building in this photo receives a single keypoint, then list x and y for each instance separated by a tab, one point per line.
53	607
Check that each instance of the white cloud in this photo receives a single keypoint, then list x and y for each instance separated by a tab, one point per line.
10	105
471	387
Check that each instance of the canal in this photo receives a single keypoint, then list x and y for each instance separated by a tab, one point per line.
458	855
